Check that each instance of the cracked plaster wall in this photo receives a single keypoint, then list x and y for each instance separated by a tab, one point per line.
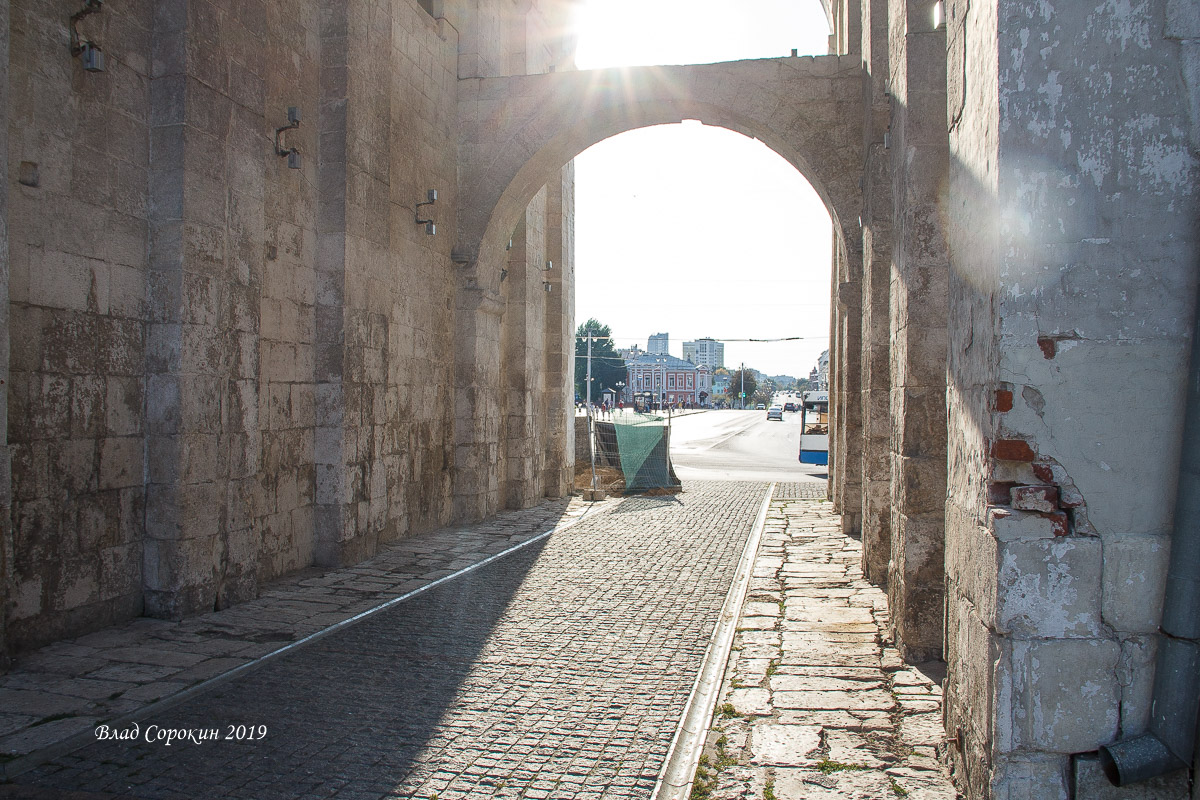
1073	282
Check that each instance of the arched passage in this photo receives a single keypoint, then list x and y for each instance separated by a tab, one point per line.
517	133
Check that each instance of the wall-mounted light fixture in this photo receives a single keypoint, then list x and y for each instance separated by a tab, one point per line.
547	286
939	14
549	266
88	51
430	228
290	153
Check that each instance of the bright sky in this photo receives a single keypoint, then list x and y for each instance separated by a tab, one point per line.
695	230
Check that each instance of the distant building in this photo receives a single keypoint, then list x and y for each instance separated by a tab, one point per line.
654	379
658	344
823	372
705	352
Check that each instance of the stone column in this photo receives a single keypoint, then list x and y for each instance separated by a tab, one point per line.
559	455
918	144
186	353
476	399
845	398
522	329
207	195
877	250
332	523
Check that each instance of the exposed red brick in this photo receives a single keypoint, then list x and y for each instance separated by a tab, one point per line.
1000	492
1004	400
1035	498
1048	345
1012	450
1043	473
1059	520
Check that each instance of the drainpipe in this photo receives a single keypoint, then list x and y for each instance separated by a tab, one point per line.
1170	743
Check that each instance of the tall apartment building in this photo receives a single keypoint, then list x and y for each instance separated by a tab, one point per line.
658	344
707	352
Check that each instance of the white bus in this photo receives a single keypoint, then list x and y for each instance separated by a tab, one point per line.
814	428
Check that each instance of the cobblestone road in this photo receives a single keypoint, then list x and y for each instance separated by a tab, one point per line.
559	671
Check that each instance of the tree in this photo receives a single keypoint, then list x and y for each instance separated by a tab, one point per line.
736	386
608	368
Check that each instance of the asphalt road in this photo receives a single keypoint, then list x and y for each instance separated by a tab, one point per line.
739	446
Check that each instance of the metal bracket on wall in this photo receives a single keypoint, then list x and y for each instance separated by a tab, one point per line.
89	52
291	153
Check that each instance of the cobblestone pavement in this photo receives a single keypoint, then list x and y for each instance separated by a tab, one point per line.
558	671
67	688
816	704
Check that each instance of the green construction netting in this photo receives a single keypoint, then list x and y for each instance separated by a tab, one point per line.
643	451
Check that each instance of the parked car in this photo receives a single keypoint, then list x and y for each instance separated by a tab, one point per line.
775	412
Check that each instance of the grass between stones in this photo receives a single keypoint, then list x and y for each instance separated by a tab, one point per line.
827	767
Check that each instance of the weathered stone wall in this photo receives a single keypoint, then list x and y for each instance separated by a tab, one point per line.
917	316
226	369
523	424
876	304
512	393
77	214
6	541
559	441
845	392
385	411
1073	283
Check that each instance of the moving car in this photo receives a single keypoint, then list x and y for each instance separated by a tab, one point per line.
775	412
789	406
759	407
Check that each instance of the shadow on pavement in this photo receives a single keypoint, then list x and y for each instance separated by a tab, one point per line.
354	709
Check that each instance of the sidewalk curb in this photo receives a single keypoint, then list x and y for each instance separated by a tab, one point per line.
679	768
17	766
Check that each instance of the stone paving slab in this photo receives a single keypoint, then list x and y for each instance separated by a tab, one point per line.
819	704
559	671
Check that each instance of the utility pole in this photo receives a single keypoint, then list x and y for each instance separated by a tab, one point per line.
742	391
591	424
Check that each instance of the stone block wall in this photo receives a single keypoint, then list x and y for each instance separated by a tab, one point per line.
385	416
877	226
523	330
917	334
78	218
225	369
1072	292
514	339
559	369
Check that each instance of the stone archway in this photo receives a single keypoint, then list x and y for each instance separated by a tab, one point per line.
516	134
